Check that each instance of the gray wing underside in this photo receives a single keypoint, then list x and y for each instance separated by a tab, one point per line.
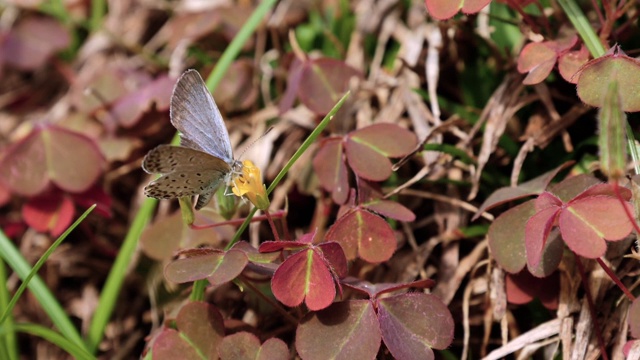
195	114
185	172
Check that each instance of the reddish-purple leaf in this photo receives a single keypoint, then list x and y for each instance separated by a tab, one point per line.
361	233
171	345
331	169
203	325
536	59
506	237
293	83
389	140
218	267
334	257
323	82
537	232
70	160
569	188
615	66
522	288
344	331
273	246
237	91
570	63
407	338
527	188
551	255
603	189
444	9
95	195
587	222
634	318
367	162
390	209
375	290
129	108
246	346
32	42
547	200
304	276
50	212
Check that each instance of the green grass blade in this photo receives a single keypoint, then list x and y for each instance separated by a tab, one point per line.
582	25
75	350
41	262
8	339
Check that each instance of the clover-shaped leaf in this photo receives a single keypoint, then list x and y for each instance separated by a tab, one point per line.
538	59
217	266
351	328
201	330
363	234
614	66
444	9
523	288
407	338
331	169
585	222
51	154
52	212
246	346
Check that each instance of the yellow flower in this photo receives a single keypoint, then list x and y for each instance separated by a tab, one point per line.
249	184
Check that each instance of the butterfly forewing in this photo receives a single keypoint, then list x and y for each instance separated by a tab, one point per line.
195	114
185	172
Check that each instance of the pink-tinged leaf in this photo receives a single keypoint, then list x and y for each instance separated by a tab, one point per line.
334	257
506	237
203	325
366	162
129	108
445	9
246	346
361	233
344	331
537	233
587	222
634	318
293	83
570	63
51	213
390	209
375	290
171	345
273	246
95	195
603	189
253	254
523	287
407	338
70	160
570	187
615	66
551	255
323	82
218	267
5	195
547	200
389	140
33	41
532	187
304	276
331	169
536	59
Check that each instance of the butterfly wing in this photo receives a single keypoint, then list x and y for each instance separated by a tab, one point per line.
195	114
185	172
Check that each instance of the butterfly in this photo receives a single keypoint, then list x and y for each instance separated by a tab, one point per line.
204	160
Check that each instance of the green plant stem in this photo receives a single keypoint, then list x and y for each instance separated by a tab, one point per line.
305	145
8	339
39	289
116	276
98	9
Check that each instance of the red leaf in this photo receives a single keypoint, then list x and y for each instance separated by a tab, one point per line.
537	232
345	330
523	287
304	276
366	162
218	267
390	209
444	9
570	63
170	345
323	82
331	169
407	338
244	345
51	212
363	234
203	325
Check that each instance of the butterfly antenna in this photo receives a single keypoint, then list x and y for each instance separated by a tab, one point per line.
255	141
